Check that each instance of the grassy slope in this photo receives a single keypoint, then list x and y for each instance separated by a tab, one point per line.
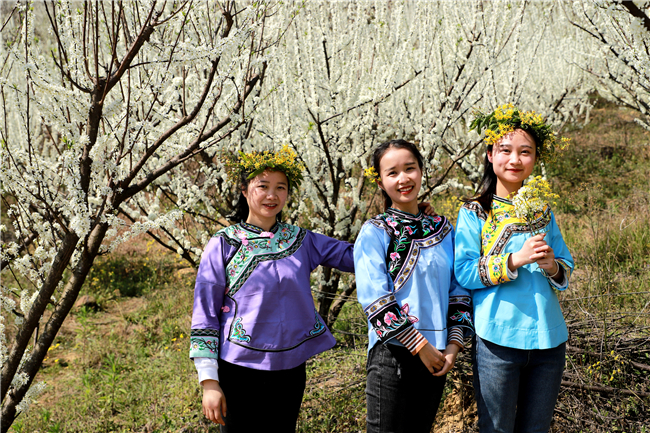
125	367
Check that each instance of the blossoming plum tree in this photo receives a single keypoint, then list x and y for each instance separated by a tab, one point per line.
99	102
618	33
113	116
347	76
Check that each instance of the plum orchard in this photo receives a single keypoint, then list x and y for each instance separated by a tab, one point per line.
112	117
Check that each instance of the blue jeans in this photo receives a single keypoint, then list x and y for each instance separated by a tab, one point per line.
516	389
401	394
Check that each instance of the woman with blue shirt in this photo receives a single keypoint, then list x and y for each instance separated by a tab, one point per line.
415	308
514	276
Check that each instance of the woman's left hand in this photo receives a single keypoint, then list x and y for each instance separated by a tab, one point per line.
450	354
545	258
426	207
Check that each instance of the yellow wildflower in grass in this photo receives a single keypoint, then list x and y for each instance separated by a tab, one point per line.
531	199
450	207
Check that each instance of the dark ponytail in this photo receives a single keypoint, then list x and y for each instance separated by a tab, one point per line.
487	187
381	150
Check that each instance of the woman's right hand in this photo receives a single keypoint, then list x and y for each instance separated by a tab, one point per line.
432	358
214	402
527	254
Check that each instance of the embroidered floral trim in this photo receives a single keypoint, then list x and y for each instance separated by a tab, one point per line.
460	312
255	246
204	343
408	234
388	319
319	326
502	223
493	269
237	332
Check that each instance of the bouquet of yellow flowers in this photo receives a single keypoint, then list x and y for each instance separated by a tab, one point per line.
531	200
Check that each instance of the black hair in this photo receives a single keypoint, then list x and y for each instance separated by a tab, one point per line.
487	187
241	210
381	150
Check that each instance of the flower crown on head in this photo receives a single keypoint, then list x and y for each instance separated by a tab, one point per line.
506	118
254	163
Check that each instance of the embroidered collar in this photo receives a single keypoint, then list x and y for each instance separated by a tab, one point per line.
258	230
253	245
408	234
502	222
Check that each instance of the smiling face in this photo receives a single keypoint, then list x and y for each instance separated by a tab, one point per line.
266	195
401	178
513	159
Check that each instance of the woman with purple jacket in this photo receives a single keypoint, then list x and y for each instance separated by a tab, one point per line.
254	323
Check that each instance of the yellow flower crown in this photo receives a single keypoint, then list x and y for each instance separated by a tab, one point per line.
506	118
254	163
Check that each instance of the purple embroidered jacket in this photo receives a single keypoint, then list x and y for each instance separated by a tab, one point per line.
252	299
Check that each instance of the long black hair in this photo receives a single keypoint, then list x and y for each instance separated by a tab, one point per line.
381	150
487	187
241	210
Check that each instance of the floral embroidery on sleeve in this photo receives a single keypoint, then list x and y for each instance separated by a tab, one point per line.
493	269
204	343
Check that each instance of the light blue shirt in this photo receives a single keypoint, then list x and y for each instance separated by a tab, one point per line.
423	283
519	310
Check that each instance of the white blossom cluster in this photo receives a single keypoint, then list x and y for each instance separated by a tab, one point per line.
614	52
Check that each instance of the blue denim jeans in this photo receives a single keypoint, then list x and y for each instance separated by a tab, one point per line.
401	394
516	390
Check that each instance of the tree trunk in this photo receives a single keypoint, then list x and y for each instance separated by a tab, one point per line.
338	304
328	293
70	293
33	318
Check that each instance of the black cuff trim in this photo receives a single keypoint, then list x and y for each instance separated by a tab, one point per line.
389	321
460	313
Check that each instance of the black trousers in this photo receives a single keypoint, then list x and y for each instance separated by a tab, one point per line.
260	400
402	396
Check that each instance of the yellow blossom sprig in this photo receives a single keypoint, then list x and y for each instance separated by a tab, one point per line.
531	199
506	118
254	163
371	174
